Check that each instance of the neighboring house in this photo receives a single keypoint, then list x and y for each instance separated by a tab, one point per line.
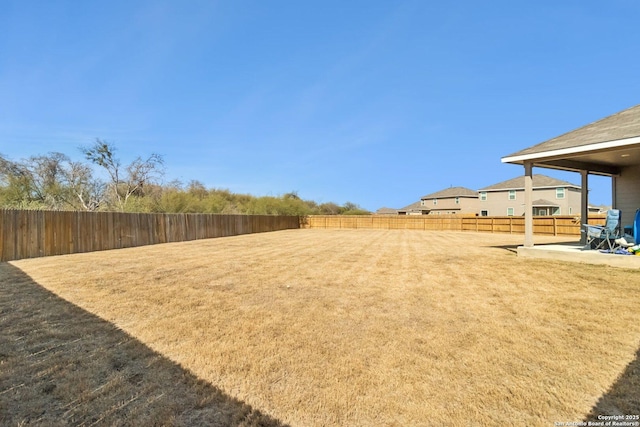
387	211
454	200
608	147
551	196
599	209
413	209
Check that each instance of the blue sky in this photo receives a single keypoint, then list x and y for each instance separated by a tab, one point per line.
373	102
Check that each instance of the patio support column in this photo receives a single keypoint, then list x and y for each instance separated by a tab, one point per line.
528	204
614	199
584	204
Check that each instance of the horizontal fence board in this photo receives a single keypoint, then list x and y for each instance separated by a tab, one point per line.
547	225
31	233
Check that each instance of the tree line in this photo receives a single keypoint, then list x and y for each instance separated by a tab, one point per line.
53	181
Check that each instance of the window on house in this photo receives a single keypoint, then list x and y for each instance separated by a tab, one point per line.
510	211
560	193
556	211
570	211
483	195
484	213
422	202
457	200
435	201
512	194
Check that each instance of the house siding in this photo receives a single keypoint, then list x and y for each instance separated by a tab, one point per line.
627	195
574	201
498	202
448	205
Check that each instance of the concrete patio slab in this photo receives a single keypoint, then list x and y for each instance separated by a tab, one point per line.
574	252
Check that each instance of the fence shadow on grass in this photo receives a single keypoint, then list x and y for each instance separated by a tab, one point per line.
623	397
61	365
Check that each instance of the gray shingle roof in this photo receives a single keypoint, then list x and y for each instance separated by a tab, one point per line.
417	206
538	182
386	211
622	125
542	203
451	192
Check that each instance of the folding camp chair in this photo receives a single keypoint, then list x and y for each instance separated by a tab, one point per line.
623	247
603	237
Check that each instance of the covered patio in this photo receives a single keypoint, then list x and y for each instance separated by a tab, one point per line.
608	147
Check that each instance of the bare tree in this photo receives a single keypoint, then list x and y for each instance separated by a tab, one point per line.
46	173
50	181
126	181
15	183
36	181
89	192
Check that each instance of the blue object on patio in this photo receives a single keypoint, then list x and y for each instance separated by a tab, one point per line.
618	251
601	237
633	230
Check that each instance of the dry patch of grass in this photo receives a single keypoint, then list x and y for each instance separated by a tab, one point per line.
365	327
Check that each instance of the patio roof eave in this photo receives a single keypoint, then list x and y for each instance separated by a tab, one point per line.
540	154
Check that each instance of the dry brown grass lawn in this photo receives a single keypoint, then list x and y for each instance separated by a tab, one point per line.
322	327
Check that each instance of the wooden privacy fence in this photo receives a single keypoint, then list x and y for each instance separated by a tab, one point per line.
546	225
31	234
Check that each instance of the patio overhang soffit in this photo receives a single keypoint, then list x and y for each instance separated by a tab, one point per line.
602	158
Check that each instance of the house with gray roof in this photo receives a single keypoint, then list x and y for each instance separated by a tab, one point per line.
551	197
387	211
608	147
453	200
415	208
